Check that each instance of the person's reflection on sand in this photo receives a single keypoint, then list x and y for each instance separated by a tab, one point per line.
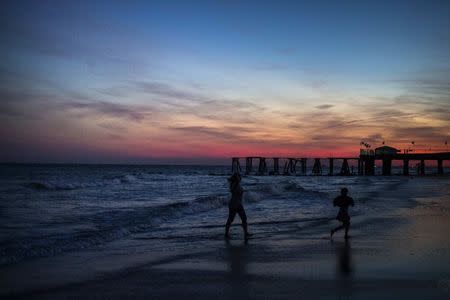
345	266
344	270
238	260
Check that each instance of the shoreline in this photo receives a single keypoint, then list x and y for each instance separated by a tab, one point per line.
298	261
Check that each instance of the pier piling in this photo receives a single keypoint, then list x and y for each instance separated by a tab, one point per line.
369	166
440	166
276	166
289	167
422	167
345	169
387	165
235	166
317	168
331	167
262	169
360	168
406	167
303	165
248	165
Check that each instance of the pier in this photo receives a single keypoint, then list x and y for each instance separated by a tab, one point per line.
365	163
368	162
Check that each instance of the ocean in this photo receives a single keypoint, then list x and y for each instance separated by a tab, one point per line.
49	210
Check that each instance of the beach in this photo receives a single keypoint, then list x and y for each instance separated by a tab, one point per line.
133	132
399	248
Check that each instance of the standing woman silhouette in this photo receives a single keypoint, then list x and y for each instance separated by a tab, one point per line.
235	205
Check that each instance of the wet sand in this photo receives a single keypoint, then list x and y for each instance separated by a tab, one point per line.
403	254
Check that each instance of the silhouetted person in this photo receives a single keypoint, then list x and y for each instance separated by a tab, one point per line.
343	201
235	205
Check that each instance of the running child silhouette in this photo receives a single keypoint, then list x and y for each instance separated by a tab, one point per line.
343	201
235	205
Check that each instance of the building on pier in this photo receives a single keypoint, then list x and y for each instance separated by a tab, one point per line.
386	150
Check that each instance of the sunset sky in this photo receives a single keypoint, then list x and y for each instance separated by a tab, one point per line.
199	82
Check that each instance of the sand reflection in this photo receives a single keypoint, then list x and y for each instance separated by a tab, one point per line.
238	258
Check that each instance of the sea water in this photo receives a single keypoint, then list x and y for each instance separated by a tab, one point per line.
50	210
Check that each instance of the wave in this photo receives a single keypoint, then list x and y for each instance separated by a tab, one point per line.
293	186
48	186
182	208
127	178
257	191
125	222
61	186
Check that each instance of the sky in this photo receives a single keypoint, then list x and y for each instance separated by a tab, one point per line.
203	81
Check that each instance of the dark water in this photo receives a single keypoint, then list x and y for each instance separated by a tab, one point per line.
48	210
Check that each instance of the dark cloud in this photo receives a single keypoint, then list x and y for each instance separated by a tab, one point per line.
110	109
439	87
239	129
165	90
34	103
369	116
425	133
340	123
296	146
324	106
428	82
22	104
324	137
375	138
336	138
439	110
190	101
118	91
438	113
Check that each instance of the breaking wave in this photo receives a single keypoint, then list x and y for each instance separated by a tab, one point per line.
61	185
